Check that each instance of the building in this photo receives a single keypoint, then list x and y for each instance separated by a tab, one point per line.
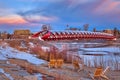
109	31
21	34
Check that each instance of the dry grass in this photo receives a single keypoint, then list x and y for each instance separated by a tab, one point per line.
39	52
14	43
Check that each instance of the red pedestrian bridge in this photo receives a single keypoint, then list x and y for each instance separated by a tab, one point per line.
71	35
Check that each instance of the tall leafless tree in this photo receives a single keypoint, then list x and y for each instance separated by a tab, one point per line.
46	27
94	29
86	26
115	32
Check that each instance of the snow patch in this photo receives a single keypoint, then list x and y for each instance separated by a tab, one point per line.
45	48
2	57
9	52
7	75
31	44
39	76
102	53
103	49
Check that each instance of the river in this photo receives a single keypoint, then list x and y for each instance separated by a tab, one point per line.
94	54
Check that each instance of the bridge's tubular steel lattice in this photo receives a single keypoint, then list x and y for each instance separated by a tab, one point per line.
71	35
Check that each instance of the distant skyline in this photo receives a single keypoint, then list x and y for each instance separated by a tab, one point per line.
32	14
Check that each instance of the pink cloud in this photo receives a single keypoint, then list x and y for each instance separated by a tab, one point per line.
107	6
12	19
16	20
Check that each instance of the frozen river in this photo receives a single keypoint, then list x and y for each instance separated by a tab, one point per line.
94	54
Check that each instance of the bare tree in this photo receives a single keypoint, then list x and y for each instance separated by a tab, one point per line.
46	27
94	29
86	26
115	32
0	35
67	27
119	33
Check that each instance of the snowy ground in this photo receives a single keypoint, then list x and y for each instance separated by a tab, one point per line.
9	52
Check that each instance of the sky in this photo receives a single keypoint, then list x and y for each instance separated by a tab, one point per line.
32	14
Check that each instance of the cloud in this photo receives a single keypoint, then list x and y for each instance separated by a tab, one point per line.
36	16
12	19
75	11
40	18
67	11
59	13
107	6
107	12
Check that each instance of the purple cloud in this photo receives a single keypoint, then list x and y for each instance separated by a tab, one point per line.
72	12
66	10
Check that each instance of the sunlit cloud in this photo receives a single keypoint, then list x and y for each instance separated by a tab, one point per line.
12	19
108	6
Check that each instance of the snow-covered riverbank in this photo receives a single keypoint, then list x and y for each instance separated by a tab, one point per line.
9	52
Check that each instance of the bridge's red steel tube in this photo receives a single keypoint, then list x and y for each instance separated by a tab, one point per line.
72	35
